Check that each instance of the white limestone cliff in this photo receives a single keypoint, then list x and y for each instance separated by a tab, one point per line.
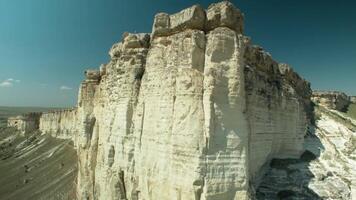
60	123
327	168
332	99
353	99
25	123
192	111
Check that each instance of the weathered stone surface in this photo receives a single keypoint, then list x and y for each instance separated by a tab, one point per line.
224	14
277	102
326	170
93	75
161	25
25	123
190	18
226	125
192	113
353	99
102	70
332	99
60	123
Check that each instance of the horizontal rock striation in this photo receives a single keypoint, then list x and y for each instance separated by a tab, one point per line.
332	99
192	111
278	109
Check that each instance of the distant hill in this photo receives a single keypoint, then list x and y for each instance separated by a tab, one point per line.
6	112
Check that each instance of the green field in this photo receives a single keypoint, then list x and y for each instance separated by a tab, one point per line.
351	111
6	112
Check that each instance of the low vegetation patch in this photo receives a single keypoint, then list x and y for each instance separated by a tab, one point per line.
351	111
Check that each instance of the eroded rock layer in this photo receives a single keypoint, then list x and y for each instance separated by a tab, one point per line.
25	123
192	111
332	99
278	104
60	123
326	170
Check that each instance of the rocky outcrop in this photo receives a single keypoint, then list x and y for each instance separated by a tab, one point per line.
278	109
25	123
353	99
332	99
326	170
60	123
192	111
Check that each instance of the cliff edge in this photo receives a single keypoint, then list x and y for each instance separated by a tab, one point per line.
192	111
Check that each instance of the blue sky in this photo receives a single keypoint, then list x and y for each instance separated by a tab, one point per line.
45	45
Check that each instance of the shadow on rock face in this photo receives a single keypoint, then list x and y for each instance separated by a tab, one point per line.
285	194
289	179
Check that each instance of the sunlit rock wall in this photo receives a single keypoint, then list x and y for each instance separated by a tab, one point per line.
332	99
25	123
60	123
192	111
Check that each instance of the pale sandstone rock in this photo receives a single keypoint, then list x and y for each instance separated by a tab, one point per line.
91	74
186	114
25	123
224	14
102	70
276	109
226	125
169	98
60	123
161	25
332	99
190	18
329	170
115	50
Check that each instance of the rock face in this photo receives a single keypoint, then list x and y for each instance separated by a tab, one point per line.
278	103
60	123
326	170
192	111
332	99
353	99
25	123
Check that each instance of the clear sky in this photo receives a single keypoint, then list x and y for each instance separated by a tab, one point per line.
45	45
